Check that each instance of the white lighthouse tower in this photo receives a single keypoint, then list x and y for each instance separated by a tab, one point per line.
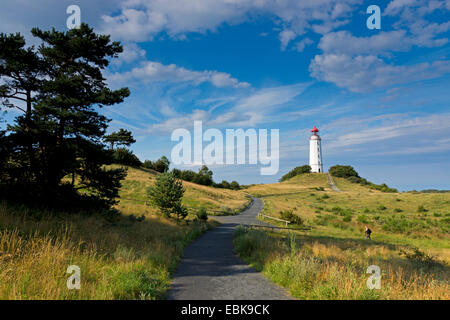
315	151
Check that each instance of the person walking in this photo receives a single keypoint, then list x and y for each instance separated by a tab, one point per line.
368	232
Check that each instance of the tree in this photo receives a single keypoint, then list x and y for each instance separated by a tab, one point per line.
122	137
22	73
60	133
204	176
162	164
234	185
126	157
167	194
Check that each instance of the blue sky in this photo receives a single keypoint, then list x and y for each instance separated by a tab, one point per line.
381	98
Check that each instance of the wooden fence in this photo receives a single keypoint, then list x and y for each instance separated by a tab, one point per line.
273	218
273	228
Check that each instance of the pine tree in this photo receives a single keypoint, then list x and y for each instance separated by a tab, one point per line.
62	111
122	137
22	72
167	194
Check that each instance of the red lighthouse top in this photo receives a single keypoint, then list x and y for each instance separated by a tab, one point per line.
315	129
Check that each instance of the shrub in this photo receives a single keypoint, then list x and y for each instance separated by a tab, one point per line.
421	208
295	172
381	207
343	171
363	218
419	257
202	214
398	210
292	218
347	218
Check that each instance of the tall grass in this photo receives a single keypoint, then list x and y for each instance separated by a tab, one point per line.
119	259
326	269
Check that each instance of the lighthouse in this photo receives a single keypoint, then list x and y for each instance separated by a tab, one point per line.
315	151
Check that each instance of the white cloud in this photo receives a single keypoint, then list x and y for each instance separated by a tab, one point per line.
409	133
301	45
131	52
366	73
151	71
141	20
251	109
343	42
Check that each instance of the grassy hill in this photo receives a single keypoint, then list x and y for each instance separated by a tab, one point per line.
119	257
217	201
335	251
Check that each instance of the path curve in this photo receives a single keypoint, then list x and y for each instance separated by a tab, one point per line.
209	269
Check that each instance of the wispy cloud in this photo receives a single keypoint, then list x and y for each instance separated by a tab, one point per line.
151	72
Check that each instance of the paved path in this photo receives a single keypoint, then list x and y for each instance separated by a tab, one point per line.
331	182
209	270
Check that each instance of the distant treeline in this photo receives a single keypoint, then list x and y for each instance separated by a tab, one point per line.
434	191
204	176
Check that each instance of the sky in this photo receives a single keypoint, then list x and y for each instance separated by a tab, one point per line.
380	97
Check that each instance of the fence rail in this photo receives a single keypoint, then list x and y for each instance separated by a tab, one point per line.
274	227
273	218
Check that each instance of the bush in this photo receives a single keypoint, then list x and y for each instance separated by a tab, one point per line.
202	214
419	257
295	172
292	218
347	218
421	208
343	171
363	218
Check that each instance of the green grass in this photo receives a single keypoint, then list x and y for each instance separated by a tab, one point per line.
399	221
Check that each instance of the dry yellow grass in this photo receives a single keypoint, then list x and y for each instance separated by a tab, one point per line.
119	258
325	268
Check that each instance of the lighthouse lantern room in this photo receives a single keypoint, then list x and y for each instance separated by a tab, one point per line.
315	151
